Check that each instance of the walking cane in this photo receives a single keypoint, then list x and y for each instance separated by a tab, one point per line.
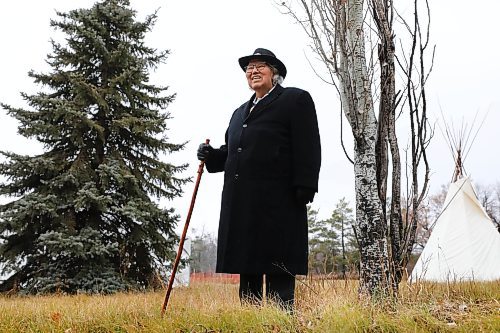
183	237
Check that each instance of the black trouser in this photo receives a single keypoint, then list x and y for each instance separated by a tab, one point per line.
279	288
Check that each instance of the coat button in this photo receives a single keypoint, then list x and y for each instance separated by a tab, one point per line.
239	150
245	125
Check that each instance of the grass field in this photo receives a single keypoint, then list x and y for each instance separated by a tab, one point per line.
321	306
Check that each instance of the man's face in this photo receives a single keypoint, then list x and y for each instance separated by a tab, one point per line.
259	76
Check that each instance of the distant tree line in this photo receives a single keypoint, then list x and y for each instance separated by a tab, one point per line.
203	253
333	250
489	197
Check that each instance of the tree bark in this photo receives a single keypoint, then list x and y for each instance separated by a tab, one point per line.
358	105
382	14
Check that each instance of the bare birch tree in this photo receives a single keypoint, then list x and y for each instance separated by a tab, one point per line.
342	33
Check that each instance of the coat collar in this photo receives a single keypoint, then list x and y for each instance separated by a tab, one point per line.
263	103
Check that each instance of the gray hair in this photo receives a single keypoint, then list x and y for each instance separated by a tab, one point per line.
277	78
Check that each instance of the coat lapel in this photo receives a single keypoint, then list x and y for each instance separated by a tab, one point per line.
246	109
263	103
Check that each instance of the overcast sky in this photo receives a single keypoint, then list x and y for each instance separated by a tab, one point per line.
207	37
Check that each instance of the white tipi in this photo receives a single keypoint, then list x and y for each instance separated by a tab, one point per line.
464	244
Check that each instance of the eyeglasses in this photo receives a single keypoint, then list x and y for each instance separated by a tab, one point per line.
260	66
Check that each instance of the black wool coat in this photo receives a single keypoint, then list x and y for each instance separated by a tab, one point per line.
268	153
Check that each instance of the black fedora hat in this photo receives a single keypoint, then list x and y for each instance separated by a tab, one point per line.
266	56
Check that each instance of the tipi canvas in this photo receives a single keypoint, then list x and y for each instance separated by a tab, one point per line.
464	244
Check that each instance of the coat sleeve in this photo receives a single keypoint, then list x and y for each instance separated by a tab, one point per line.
217	159
305	140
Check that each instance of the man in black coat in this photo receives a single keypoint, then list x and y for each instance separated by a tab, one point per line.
271	161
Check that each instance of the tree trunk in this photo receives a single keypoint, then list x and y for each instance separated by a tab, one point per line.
382	14
358	106
374	276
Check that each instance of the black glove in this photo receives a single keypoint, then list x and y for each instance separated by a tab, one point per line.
304	195
204	151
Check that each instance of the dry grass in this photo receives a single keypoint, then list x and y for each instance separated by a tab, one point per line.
322	306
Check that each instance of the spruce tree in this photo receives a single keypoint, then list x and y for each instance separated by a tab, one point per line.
332	245
323	244
83	216
342	220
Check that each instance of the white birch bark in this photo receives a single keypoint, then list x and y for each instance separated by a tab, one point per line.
358	106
